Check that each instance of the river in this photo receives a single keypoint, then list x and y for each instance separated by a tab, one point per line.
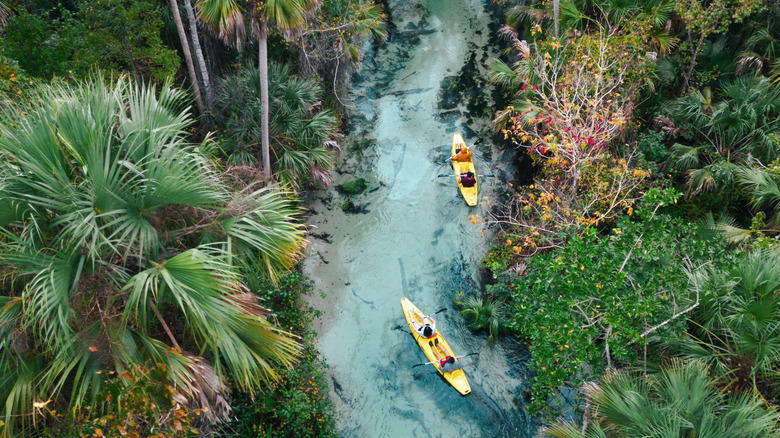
410	233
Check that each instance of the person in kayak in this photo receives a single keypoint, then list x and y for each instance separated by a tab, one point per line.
468	179
426	327
462	154
447	362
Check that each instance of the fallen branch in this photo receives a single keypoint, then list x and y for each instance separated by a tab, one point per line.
678	314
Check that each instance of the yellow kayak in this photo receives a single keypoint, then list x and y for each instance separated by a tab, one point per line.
460	167
456	378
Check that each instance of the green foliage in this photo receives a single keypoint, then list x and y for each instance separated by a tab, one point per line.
341	26
283	297
484	314
652	146
301	133
497	258
715	17
736	328
136	402
598	292
15	83
678	401
117	36
124	36
121	244
297	405
41	44
716	132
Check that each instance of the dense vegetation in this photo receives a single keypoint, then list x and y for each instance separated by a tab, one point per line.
640	263
150	160
149	247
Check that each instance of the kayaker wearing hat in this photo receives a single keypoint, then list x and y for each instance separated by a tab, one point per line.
462	154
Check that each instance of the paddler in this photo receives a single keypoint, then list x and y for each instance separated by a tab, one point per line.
424	325
447	362
462	154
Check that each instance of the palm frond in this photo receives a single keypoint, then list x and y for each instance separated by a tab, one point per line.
19	380
727	227
502	75
763	189
227	17
571	17
266	229
204	287
685	157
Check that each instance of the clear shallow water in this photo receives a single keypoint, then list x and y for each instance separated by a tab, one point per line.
411	234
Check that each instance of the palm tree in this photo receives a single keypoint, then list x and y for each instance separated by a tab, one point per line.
484	314
737	327
120	245
725	133
763	189
287	15
300	134
679	401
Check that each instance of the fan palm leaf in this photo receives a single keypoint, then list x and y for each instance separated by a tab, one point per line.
484	314
571	17
262	227
203	286
501	74
736	328
679	401
728	227
568	429
298	129
732	131
19	379
657	12
686	157
90	178
763	189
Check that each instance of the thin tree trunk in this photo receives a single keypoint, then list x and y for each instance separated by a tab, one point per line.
688	75
263	67
556	17
129	53
204	72
165	326
185	47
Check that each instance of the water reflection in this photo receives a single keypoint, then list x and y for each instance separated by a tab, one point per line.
409	233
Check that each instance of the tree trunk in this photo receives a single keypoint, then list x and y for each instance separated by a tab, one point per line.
556	17
263	67
133	66
687	78
185	47
204	72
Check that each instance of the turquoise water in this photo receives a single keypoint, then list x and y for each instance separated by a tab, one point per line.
411	234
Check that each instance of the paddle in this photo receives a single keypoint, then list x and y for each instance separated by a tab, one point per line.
490	175
456	357
440	310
